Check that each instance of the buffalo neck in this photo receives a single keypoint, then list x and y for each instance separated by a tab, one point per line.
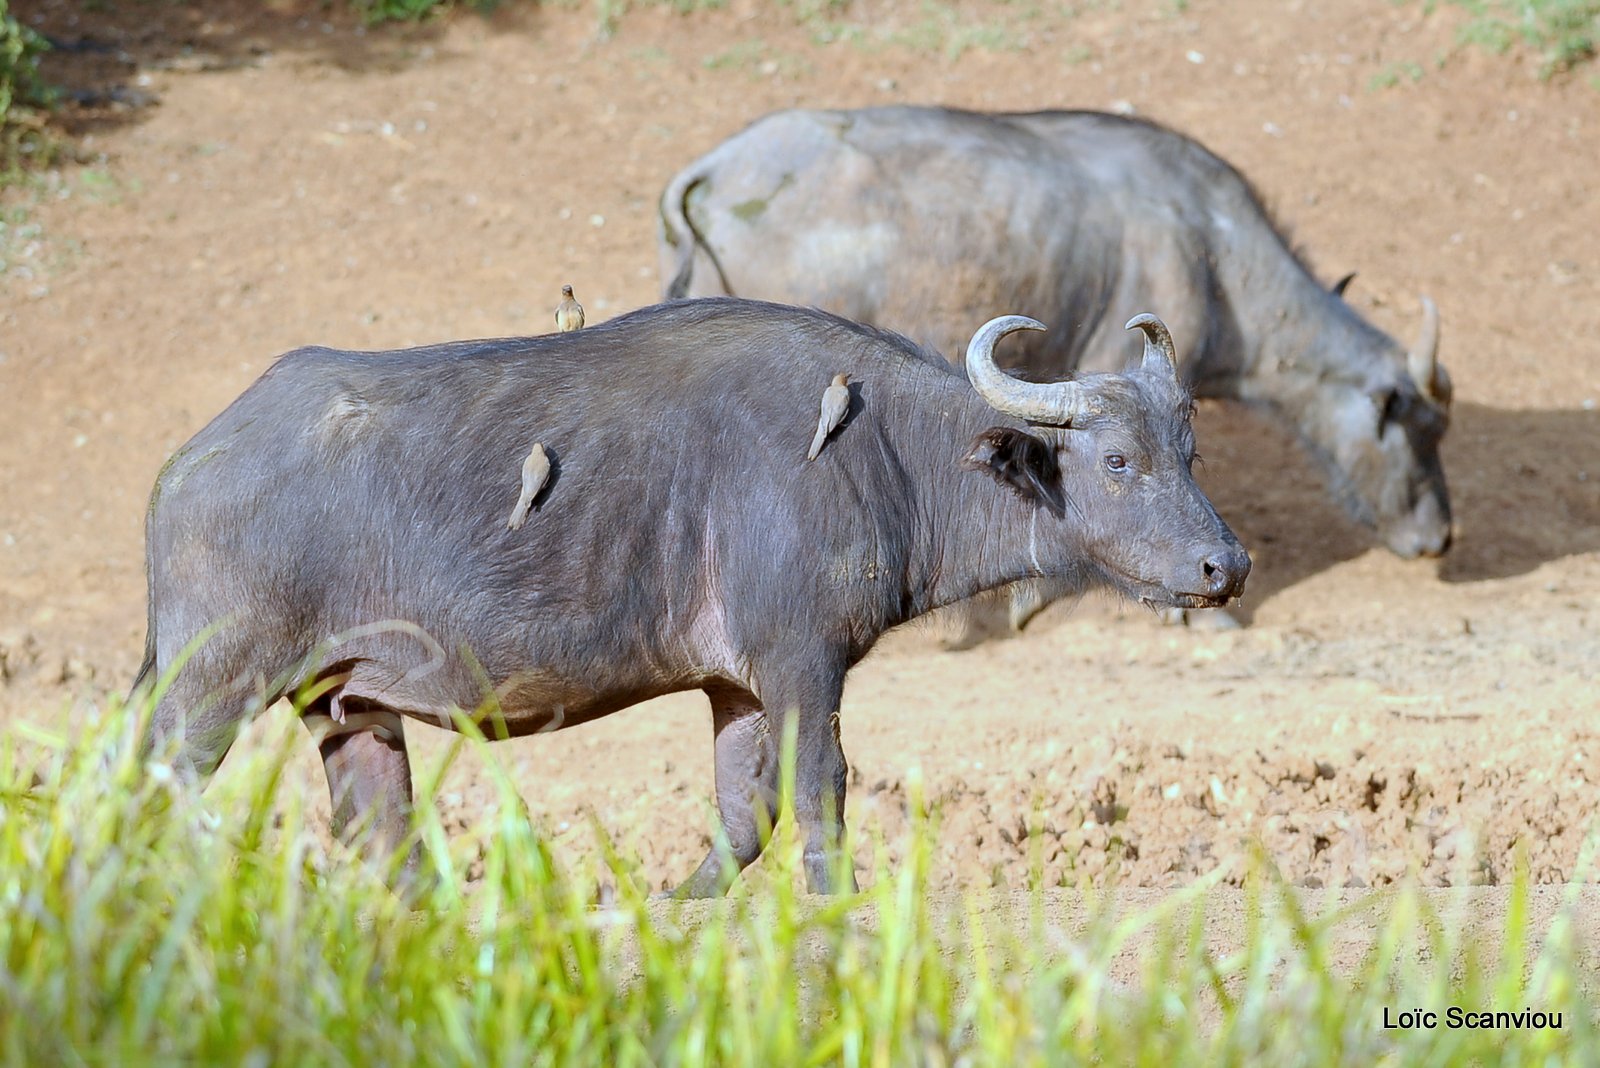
1295	335
969	533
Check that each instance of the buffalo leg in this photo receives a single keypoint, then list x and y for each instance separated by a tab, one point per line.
1028	599
969	623
747	768
820	773
369	782
196	720
194	743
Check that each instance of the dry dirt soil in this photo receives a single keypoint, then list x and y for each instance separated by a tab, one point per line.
259	176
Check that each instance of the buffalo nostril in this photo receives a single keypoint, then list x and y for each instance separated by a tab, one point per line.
1225	573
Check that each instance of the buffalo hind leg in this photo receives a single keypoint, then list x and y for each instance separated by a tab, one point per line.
802	695
820	774
369	782
747	767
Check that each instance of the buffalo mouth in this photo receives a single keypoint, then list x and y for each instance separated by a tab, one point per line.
1409	543
1183	600
1155	595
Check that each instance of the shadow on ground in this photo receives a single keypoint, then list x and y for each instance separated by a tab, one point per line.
1273	495
100	51
1525	490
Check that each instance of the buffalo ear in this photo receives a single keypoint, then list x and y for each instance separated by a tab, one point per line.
1387	400
1021	463
1342	284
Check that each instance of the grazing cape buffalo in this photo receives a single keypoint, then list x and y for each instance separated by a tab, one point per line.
340	532
924	220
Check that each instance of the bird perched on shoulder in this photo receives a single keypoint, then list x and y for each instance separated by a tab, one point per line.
835	402
535	470
569	313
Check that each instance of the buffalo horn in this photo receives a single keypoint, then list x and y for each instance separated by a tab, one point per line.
1048	403
1423	359
1158	349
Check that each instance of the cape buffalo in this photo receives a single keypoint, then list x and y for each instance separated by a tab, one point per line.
339	534
924	220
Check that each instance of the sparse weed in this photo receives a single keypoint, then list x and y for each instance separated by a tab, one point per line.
759	60
29	256
938	28
19	243
374	11
805	10
1564	33
942	30
1392	74
98	184
652	54
609	13
744	54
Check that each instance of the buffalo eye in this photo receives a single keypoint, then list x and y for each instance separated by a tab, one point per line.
1116	462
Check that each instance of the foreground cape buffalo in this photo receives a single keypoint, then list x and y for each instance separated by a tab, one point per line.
925	220
340	533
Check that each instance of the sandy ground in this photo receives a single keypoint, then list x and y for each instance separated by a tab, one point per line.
299	181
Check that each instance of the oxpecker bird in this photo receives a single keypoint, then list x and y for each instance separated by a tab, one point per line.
835	402
569	313
535	470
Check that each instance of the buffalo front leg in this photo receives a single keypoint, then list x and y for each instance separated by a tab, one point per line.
369	782
747	768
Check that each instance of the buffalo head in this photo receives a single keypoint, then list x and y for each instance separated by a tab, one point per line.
1106	460
1380	433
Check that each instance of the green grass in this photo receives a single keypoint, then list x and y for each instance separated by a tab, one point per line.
20	49
145	925
23	98
1564	33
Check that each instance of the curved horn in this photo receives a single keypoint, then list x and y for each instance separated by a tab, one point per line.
1423	359
1338	288
1157	342
1051	403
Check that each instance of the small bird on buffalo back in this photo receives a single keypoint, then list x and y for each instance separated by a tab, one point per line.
569	313
535	470
835	402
